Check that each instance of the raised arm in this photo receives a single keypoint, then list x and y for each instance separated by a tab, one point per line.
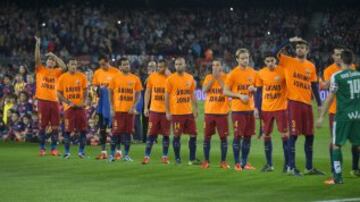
59	61
37	51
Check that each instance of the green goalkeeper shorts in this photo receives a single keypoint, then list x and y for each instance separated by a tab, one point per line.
346	130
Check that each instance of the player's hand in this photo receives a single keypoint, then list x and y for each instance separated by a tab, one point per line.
244	98
168	116
252	88
146	112
256	113
195	113
50	54
167	72
37	40
319	122
132	110
295	39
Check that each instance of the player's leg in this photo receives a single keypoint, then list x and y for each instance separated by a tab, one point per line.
128	130
249	130
55	123
190	128
236	119
153	129
295	120
81	124
178	125
355	141
308	130
355	161
103	135
115	135
209	131
69	122
267	119
165	131
222	126
331	126
43	122
283	128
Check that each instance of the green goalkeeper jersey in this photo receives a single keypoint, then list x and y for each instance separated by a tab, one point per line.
346	86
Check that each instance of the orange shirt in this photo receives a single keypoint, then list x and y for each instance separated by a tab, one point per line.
124	87
328	72
157	84
103	77
181	89
216	102
273	89
73	87
238	81
299	76
46	79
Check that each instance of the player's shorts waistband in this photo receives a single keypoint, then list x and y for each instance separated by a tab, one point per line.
216	114
243	112
298	102
157	112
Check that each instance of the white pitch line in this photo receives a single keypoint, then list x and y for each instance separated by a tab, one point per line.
341	200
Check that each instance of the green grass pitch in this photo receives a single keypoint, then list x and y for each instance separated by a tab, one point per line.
24	176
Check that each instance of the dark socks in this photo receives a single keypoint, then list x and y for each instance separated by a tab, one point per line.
236	149
245	150
177	146
309	141
165	145
292	142
149	144
355	157
206	148
192	148
223	147
268	150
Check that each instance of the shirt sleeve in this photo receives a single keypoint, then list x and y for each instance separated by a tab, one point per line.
258	81
168	86
313	75
60	84
229	82
138	85
149	83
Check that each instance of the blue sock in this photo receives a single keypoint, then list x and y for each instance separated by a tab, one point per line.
223	148
309	141
245	150
292	142
67	142
192	148
113	142
236	149
207	148
82	142
165	145
268	150
331	158
127	142
177	146
103	136
54	139
42	139
285	143
355	157
149	144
